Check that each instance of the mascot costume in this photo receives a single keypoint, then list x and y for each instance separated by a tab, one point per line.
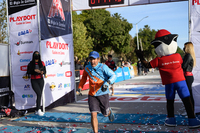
169	64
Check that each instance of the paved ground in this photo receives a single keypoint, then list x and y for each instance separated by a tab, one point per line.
118	107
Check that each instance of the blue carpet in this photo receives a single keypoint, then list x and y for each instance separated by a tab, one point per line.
119	118
27	129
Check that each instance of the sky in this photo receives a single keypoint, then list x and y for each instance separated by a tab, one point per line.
172	16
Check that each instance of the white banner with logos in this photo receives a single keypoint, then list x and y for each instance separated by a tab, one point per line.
79	5
59	61
24	40
195	39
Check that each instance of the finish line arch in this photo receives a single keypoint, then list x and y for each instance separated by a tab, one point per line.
194	27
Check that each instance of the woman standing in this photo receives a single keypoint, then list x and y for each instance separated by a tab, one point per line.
36	68
189	61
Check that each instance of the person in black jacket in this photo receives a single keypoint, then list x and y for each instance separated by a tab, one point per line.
189	61
36	68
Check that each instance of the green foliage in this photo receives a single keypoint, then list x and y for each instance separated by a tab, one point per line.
147	35
82	43
180	51
3	22
110	33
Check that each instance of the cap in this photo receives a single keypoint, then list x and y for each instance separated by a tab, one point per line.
94	54
161	33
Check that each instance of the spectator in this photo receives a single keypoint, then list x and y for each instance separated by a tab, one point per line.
36	68
119	63
189	61
139	67
111	64
86	62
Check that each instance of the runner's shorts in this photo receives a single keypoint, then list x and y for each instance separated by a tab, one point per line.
181	87
99	104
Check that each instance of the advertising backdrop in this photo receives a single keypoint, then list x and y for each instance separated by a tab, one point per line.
24	40
50	33
57	48
195	39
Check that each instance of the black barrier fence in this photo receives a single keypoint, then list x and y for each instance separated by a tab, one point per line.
77	78
5	92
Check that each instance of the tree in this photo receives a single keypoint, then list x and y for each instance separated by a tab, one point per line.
147	35
110	33
3	22
180	51
82	43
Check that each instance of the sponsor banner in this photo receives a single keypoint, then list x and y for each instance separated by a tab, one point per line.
79	5
137	98
55	18
19	5
126	73
194	38
24	40
86	85
24	20
59	60
119	75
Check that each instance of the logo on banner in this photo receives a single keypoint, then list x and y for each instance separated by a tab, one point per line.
27	87
23	68
60	86
60	74
68	74
64	63
195	1
25	52
25	32
56	8
23	19
50	62
57	46
25	60
67	85
23	42
52	86
26	77
51	75
27	96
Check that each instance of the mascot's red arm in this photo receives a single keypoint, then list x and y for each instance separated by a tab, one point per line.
143	61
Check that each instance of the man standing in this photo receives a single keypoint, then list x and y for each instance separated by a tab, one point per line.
100	76
111	64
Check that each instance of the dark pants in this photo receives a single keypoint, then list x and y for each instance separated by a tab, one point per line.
189	80
37	85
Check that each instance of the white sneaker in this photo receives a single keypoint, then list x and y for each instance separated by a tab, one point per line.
184	113
40	113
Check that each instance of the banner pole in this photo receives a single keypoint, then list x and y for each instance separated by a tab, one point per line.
73	51
39	36
10	64
189	23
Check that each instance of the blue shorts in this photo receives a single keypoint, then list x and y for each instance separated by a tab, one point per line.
181	87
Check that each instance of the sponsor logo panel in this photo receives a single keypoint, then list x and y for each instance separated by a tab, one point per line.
27	96
23	42
50	62
23	68
68	74
27	87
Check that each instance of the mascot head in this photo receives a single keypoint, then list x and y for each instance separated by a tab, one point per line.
165	43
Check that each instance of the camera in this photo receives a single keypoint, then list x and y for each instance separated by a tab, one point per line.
104	87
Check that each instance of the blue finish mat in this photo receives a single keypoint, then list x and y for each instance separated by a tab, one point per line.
119	118
27	129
